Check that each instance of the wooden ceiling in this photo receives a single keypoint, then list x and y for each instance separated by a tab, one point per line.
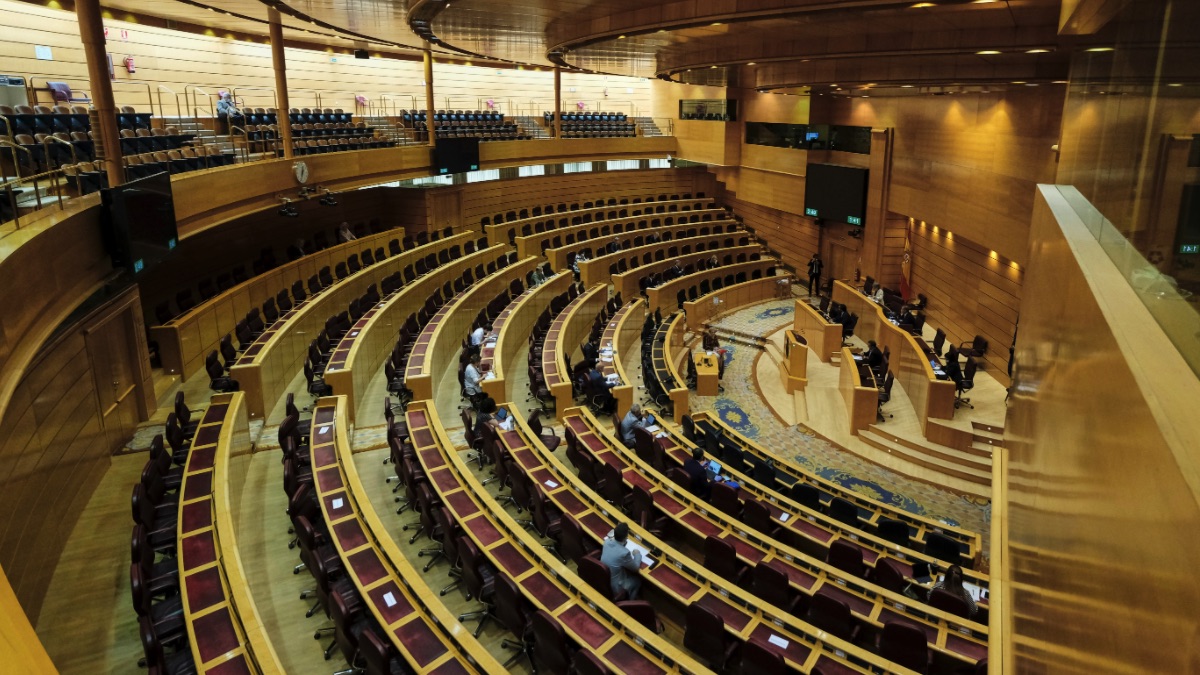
788	45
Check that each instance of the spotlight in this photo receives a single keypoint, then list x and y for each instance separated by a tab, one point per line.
287	210
327	200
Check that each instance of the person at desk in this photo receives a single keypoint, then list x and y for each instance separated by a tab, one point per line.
344	233
836	311
486	416
952	369
536	278
674	272
582	256
953	583
598	387
590	351
477	337
228	113
634	419
613	246
472	376
622	564
697	471
877	294
874	357
815	265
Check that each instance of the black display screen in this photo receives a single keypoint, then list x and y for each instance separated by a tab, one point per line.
836	193
139	222
456	155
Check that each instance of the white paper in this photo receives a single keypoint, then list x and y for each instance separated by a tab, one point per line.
337	503
640	551
43	53
783	517
389	599
353	333
490	375
778	641
324	429
551	484
653	428
975	591
606	359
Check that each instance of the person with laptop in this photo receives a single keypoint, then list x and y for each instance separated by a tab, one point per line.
697	471
633	419
953	583
623	564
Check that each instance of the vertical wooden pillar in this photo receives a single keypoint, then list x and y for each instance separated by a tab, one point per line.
429	106
557	102
281	91
91	34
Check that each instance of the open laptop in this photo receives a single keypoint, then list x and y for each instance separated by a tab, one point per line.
921	572
714	470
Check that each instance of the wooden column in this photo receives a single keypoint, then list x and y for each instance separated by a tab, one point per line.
557	102
281	91
91	34
429	106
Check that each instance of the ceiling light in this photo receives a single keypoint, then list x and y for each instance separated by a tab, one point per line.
906	86
751	63
1175	84
620	37
1059	82
982	2
716	23
1039	50
919	5
988	52
1098	49
1018	82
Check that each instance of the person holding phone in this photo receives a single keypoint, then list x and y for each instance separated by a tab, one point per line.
633	419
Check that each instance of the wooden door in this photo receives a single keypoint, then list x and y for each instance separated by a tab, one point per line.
840	261
111	349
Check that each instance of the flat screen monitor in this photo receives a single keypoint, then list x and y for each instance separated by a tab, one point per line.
836	193
139	222
456	155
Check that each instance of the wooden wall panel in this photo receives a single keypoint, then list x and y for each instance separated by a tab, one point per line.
794	238
175	59
1102	483
971	291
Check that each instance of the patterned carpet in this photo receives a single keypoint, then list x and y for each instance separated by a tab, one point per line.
741	406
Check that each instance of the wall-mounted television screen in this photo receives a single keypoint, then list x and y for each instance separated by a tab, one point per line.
836	193
139	222
456	155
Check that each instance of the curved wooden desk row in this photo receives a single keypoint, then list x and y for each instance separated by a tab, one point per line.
268	366
558	257
225	631
694	243
824	337
563	340
615	224
589	619
666	354
440	342
628	282
861	396
509	230
958	638
677	581
357	358
513	329
186	340
623	329
876	510
703	308
667	295
931	397
416	621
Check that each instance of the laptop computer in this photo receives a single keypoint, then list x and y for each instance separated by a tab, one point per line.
714	469
921	572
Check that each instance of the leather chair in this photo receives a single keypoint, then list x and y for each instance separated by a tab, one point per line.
831	615
756	515
597	575
806	495
514	613
948	602
480	578
905	645
642	612
888	574
844	510
771	584
761	658
944	548
551	651
895	531
178	662
720	557
726	499
572	544
847	557
379	656
705	635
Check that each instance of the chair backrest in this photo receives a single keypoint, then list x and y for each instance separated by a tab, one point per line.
550	643
762	659
943	548
905	645
847	557
946	601
889	575
720	557
704	634
597	575
830	615
511	610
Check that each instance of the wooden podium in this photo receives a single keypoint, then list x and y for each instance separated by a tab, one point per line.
707	381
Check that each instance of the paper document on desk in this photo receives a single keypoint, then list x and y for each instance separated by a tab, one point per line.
641	551
491	375
606	359
653	428
975	591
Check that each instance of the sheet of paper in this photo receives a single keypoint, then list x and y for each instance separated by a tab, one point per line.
323	430
389	599
337	503
653	428
783	517
975	591
641	551
778	641
551	484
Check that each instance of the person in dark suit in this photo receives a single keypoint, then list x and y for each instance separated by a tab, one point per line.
613	246
874	356
598	386
836	310
815	265
698	483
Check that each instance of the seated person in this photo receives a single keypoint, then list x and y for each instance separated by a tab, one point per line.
953	583
622	563
598	387
344	233
486	416
696	468
877	295
836	310
537	278
477	337
228	113
953	370
874	357
590	351
633	419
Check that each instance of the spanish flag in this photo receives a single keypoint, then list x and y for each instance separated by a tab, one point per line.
906	267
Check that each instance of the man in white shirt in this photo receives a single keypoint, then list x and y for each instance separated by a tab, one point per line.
472	377
477	336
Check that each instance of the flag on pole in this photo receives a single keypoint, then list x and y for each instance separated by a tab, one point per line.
906	267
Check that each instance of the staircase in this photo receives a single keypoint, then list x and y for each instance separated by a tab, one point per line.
530	126
646	127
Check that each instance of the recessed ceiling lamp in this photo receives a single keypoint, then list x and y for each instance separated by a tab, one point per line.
1059	82
988	52
920	5
1039	50
1098	49
716	23
1175	84
712	66
751	63
906	86
620	37
1019	82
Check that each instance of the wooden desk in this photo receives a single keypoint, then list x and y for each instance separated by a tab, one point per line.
440	342
225	632
268	366
862	398
512	329
824	337
558	255
356	359
623	331
667	353
701	310
871	511
510	230
872	605
703	233
427	636
707	374
931	397
795	362
588	618
566	332
666	296
185	341
680	580
534	243
627	283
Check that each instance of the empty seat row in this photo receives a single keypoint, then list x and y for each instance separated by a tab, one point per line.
586	117
411	117
562	207
318	115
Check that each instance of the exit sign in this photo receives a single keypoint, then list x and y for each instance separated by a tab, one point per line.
854	220
810	212
1189	248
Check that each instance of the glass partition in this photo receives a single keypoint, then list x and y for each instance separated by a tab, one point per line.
712	109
